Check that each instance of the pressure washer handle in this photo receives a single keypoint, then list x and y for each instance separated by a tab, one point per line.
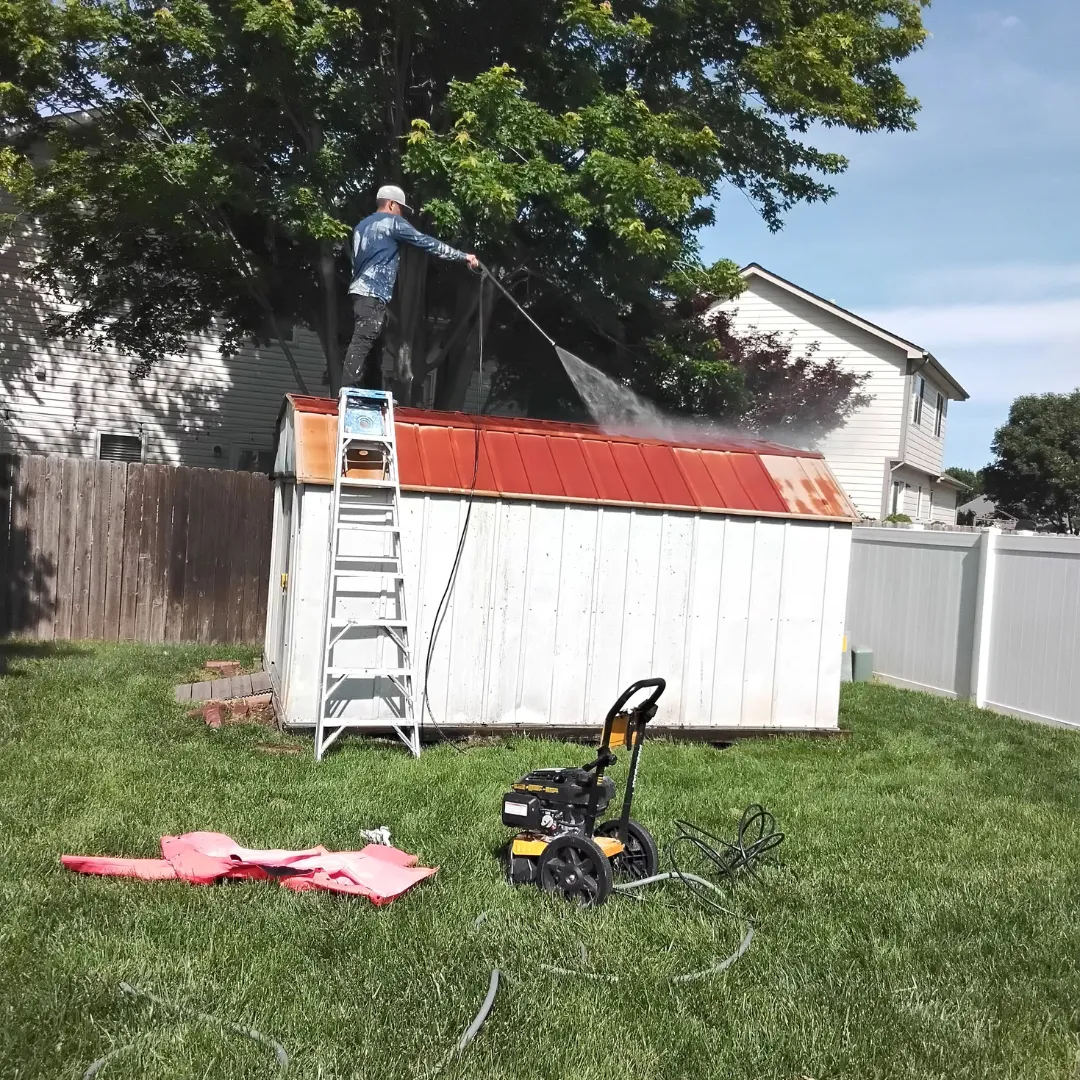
648	707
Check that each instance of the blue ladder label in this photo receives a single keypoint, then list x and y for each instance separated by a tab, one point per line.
365	412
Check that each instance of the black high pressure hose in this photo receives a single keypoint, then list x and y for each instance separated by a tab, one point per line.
443	605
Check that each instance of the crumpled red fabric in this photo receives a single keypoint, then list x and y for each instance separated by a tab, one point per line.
378	872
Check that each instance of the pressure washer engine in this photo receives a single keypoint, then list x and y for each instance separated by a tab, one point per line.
560	846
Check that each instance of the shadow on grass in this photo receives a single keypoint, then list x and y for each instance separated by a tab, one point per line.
35	650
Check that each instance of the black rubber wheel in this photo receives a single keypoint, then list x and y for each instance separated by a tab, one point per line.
640	858
577	869
520	869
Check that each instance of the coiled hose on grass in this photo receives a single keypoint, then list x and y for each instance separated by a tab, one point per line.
755	837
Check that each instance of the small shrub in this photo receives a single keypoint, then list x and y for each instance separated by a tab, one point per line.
899	519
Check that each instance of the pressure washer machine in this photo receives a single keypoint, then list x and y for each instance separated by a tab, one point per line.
560	846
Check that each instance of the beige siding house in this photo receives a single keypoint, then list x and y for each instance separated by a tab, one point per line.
889	456
61	397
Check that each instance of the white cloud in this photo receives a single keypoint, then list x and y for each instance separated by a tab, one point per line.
997	351
990	22
1025	324
997	282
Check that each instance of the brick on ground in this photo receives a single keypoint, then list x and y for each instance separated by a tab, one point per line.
224	669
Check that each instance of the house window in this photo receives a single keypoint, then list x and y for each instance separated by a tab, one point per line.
939	416
115	446
920	393
250	459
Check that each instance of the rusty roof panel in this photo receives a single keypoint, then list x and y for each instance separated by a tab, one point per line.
691	463
835	498
573	469
635	474
664	469
757	482
315	438
525	459
539	464
807	487
722	474
610	486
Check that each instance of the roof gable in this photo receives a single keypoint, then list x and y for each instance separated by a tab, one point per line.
917	356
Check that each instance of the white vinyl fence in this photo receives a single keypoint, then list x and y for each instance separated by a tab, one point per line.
980	615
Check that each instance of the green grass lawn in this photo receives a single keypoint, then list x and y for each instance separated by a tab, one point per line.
923	921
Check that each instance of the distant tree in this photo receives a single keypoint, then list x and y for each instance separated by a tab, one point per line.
791	398
972	480
1036	471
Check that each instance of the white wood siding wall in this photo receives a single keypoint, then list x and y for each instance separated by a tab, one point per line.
556	608
944	504
857	452
925	449
944	497
59	394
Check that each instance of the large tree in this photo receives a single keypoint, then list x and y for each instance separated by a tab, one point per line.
1036	469
972	480
208	158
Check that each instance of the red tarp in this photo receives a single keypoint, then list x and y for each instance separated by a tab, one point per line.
378	872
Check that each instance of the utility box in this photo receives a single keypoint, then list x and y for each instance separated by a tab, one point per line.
862	664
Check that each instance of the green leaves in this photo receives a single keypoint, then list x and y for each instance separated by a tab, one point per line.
613	165
1036	473
223	149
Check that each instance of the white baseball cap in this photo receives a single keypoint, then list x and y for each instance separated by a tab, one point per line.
392	193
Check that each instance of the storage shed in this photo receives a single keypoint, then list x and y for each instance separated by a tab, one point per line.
591	560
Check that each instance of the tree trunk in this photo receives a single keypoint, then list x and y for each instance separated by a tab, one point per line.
329	321
404	373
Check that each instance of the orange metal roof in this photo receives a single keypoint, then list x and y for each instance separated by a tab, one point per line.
536	459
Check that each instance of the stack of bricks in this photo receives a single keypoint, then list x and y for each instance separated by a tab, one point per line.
229	690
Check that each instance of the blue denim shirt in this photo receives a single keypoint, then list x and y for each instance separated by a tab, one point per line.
375	253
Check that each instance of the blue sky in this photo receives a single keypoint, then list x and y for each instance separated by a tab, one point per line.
965	235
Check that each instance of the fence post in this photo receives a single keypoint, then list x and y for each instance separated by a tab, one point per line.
984	617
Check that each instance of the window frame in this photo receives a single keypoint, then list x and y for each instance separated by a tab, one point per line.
920	396
101	432
939	415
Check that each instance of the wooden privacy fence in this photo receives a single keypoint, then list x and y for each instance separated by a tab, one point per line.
115	551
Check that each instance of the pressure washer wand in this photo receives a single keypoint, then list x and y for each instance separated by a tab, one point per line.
509	296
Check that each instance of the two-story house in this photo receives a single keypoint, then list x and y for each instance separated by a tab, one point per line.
889	455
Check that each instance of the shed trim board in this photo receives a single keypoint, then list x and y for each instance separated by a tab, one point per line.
561	602
784	515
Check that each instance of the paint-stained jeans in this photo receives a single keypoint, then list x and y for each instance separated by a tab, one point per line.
369	314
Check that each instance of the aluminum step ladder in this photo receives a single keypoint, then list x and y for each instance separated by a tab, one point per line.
367	680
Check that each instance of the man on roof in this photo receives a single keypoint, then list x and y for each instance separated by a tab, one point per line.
375	265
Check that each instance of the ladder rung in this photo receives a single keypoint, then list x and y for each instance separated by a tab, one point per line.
350	527
341	624
369	573
368	673
392	560
347	483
